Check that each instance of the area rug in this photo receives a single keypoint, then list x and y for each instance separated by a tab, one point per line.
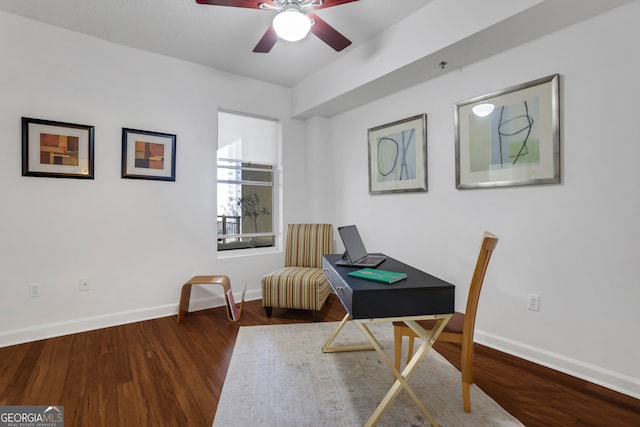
278	376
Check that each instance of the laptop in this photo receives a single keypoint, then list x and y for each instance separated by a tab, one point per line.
356	254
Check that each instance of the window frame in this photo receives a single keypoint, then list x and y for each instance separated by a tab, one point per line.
276	196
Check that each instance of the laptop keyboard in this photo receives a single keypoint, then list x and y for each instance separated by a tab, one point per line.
371	259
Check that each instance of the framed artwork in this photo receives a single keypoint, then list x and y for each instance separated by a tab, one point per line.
56	149
398	156
510	137
148	155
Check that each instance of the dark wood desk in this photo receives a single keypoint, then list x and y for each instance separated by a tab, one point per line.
420	296
420	293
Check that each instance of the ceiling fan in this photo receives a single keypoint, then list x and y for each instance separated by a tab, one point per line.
293	21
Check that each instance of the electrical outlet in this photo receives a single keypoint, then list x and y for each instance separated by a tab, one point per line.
34	290
85	284
533	302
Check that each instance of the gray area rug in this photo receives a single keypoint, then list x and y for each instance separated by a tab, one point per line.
279	376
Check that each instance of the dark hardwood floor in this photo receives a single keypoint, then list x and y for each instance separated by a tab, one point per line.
159	372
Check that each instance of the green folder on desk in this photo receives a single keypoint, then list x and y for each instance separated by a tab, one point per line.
375	275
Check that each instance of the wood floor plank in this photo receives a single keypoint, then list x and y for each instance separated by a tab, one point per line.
160	372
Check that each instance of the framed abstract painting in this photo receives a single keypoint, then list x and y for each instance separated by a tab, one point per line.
510	137
148	155
56	149
398	156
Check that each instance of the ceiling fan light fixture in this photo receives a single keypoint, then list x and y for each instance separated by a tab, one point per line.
291	25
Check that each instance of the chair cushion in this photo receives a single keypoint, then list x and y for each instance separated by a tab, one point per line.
455	324
295	287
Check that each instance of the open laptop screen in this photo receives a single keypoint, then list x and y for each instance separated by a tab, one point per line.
352	242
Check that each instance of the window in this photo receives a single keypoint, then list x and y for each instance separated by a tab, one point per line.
247	165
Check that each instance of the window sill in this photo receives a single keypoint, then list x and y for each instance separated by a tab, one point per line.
237	253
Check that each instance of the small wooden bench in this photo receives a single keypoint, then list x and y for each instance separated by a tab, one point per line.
185	295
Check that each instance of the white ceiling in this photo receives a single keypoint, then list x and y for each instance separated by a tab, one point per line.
383	59
216	36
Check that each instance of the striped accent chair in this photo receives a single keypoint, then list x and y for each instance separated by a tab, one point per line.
301	284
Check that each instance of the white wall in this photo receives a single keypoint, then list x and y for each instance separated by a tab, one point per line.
137	240
574	244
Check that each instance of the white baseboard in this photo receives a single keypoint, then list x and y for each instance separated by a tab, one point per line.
594	374
50	330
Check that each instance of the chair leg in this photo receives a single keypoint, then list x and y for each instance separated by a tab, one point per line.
466	363
410	348
268	311
466	396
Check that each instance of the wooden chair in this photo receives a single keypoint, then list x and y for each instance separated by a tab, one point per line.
301	284
460	327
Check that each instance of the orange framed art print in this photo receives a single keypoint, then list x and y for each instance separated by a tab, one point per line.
148	155
56	149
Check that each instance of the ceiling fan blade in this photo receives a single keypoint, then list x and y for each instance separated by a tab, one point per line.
255	4
267	41
249	4
329	3
328	34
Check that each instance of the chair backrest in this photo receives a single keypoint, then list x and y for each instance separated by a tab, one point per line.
306	243
489	242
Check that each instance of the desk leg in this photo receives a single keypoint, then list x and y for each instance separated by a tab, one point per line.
402	378
327	348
